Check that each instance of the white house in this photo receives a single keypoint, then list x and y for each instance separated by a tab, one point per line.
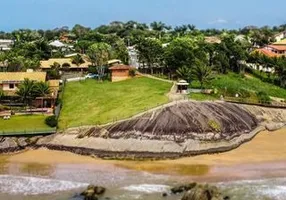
280	36
5	44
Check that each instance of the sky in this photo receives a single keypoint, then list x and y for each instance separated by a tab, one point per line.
49	14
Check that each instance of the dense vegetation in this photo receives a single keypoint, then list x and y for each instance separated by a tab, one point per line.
205	58
179	52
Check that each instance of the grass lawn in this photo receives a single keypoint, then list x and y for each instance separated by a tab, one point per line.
22	123
202	97
90	102
236	81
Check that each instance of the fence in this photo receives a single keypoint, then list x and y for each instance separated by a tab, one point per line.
35	132
254	102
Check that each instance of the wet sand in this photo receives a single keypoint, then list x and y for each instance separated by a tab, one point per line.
265	153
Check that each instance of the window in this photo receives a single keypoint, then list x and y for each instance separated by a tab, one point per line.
11	86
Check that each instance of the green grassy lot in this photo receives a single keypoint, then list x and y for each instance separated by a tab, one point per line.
90	102
235	82
202	97
23	123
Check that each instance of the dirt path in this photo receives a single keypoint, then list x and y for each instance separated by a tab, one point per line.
172	95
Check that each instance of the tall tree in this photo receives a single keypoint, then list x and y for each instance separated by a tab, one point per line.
120	51
202	73
150	52
99	54
179	53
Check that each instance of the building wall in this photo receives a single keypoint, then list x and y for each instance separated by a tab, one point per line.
6	87
119	75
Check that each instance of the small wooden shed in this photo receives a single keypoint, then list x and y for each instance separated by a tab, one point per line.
120	72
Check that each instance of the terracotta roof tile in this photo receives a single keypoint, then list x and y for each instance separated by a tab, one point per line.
114	67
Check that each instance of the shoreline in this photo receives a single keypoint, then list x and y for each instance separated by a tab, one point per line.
135	149
262	156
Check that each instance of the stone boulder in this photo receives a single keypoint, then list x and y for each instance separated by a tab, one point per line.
203	192
93	192
274	126
183	188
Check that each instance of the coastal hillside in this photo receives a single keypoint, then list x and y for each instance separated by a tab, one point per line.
174	130
187	120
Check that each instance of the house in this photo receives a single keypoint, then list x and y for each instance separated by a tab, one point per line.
50	100
280	36
213	40
5	44
114	62
266	52
278	49
120	72
10	81
280	43
58	45
66	64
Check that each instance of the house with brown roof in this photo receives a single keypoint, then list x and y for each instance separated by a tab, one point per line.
10	81
120	72
66	64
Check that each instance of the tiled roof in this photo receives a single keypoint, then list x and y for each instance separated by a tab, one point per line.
20	76
278	47
46	64
126	67
267	52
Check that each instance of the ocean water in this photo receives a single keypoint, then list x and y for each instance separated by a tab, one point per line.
65	181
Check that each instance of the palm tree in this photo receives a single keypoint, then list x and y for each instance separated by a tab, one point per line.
42	89
26	91
159	27
1	94
202	73
184	73
77	60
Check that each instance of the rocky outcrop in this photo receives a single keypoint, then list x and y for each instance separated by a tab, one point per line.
274	126
93	192
203	192
195	191
175	130
179	122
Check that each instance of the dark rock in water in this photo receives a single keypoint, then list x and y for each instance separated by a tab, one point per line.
92	192
203	192
183	188
164	194
226	198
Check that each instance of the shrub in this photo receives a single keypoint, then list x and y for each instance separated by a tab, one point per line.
3	108
263	97
215	126
51	121
132	72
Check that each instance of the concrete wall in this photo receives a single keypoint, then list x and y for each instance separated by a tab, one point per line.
6	87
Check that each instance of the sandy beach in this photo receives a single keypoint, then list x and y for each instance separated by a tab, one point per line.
267	150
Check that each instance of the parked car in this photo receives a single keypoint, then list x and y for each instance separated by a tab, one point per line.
90	75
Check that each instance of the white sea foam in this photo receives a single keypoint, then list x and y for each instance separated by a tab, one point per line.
147	188
34	186
276	192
